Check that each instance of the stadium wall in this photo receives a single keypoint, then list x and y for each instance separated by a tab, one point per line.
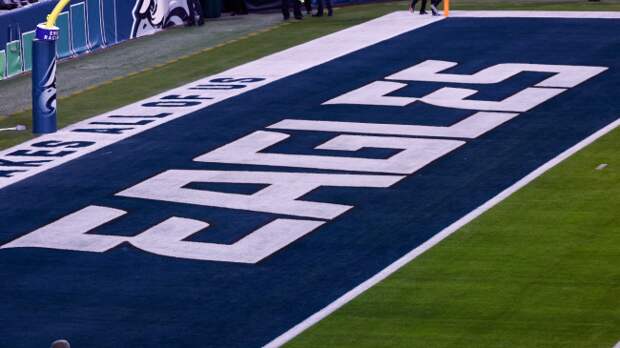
263	5
85	25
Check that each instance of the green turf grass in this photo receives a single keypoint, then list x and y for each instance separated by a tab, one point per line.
537	5
539	270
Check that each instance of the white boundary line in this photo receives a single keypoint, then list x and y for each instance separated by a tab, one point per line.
344	299
536	14
269	69
318	316
395	266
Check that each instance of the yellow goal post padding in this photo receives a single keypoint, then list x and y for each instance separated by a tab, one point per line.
51	18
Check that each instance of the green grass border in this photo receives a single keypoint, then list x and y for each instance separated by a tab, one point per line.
540	269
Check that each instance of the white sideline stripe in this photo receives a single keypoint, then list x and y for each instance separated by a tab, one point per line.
617	345
537	14
344	299
272	68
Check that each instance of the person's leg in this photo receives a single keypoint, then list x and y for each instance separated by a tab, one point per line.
434	4
241	8
319	8
191	16
308	6
198	14
423	7
285	9
297	10
330	11
412	5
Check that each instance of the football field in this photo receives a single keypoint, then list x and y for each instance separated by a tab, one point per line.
408	181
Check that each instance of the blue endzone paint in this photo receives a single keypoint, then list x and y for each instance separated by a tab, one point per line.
148	300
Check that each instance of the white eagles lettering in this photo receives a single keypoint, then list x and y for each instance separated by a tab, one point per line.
283	191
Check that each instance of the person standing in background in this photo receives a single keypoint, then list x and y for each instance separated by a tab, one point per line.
422	7
319	10
296	9
236	7
308	6
434	4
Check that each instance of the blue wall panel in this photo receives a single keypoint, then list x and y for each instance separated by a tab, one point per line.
84	26
93	20
13	58
63	46
123	28
27	49
108	14
2	64
78	28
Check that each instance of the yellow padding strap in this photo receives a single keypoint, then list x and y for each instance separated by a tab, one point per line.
51	18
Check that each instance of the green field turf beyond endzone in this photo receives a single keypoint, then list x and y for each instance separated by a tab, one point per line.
539	270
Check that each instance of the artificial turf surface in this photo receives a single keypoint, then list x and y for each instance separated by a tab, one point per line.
123	91
539	270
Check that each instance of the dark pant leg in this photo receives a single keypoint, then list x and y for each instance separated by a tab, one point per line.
238	7
423	6
434	4
297	9
308	5
285	9
328	3
413	3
